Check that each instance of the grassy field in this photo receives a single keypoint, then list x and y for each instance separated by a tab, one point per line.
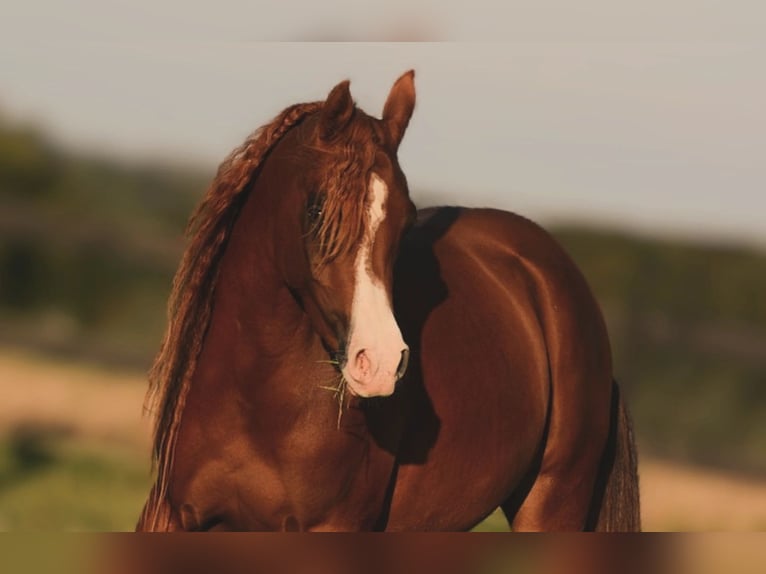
74	456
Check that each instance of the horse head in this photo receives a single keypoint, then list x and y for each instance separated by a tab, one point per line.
344	205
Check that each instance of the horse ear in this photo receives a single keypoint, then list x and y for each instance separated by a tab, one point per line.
337	111
399	107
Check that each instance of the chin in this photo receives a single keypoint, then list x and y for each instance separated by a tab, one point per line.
370	391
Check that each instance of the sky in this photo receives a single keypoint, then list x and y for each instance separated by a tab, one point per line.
644	134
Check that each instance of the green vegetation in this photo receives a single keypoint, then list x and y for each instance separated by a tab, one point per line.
49	483
88	248
688	330
495	522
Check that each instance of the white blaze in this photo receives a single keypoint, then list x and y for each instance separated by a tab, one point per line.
373	328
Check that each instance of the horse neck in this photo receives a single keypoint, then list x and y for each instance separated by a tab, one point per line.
257	327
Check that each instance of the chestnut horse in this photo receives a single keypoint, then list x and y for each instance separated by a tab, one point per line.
332	364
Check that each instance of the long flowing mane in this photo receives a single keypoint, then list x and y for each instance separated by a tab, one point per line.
191	299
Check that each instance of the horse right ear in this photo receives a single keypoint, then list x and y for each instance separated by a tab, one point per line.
337	111
399	107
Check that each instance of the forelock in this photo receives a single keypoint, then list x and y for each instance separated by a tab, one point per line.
346	172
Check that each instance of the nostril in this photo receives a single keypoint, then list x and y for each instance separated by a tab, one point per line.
362	363
402	368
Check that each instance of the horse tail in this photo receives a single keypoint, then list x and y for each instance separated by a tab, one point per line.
617	495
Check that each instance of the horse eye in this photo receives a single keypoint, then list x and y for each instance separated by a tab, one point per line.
314	209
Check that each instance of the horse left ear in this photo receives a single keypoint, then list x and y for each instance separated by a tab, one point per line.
399	106
337	111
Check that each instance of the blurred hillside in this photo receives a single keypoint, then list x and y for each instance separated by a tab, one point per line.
88	247
687	324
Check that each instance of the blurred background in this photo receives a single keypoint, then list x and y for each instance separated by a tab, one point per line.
644	159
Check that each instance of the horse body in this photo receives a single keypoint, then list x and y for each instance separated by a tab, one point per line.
507	400
515	335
